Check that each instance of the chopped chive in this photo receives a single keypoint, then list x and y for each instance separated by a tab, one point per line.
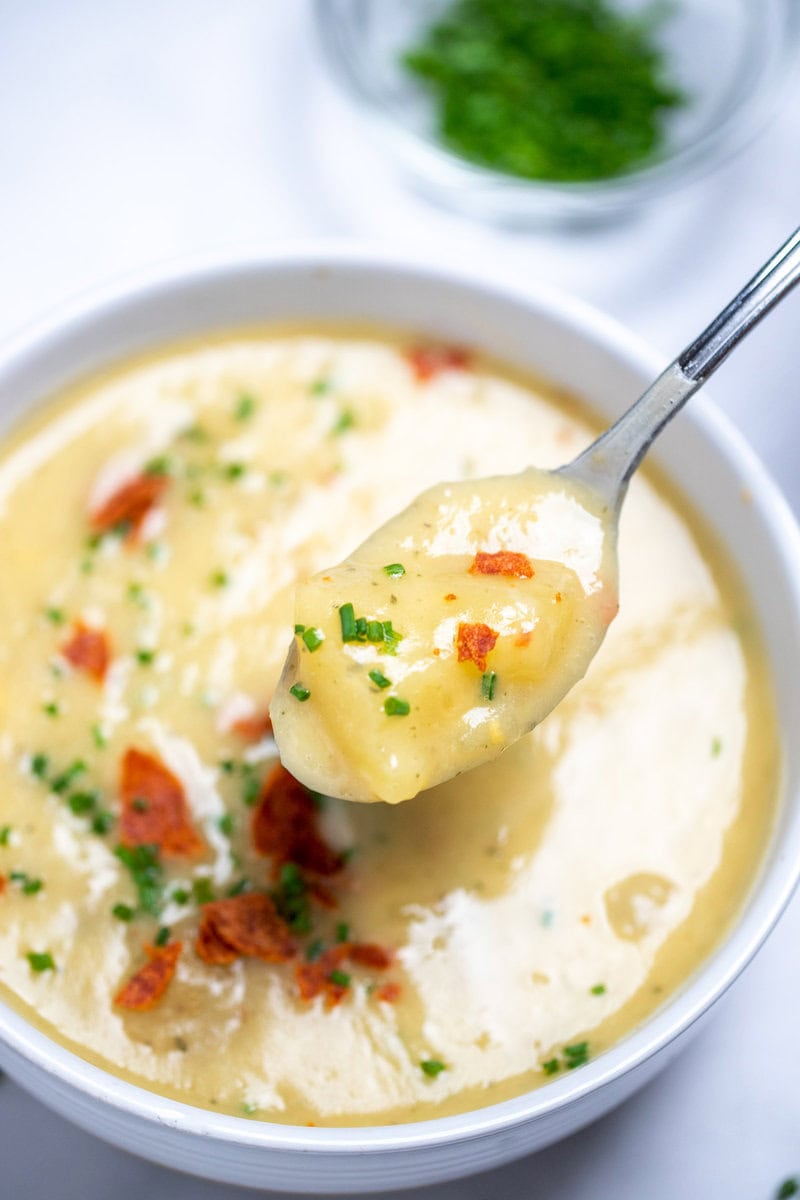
394	570
39	765
202	890
340	978
162	937
146	872
234	470
551	1067
342	932
82	802
194	433
5	835
227	765
576	1055
374	631
180	895
393	706
160	465
98	737
299	628
51	709
41	962
361	628
346	420
251	788
291	899
61	782
599	989
56	616
299	692
391	639
102	822
313	638
137	594
488	682
716	747
347	618
145	657
314	949
320	387
244	408
219	579
225	824
241	885
379	679
27	885
789	1187
432	1067
197	497
123	912
248	1108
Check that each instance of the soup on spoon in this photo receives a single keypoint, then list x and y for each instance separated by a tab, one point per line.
462	622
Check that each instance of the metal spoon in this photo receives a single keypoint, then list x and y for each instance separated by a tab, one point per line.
608	464
445	663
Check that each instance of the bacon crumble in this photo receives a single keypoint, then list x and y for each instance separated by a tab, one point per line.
284	827
130	505
253	728
88	650
474	642
314	978
245	926
144	989
503	562
427	361
154	808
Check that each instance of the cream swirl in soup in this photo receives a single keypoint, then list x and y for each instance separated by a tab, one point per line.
177	906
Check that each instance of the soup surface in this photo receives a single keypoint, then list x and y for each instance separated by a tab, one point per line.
177	908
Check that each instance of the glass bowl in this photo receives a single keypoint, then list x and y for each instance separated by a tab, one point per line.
731	58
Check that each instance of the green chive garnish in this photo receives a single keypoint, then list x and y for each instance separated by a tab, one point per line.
123	912
27	885
343	932
82	802
347	618
314	949
346	420
245	408
225	824
340	977
51	709
162	937
202	890
145	657
61	782
394	570
374	631
599	989
39	765
432	1067
234	470
41	962
180	896
5	835
551	1067
576	1055
313	638
299	692
379	679
487	685
219	579
55	616
393	706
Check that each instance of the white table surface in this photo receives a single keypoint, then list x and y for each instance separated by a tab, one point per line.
131	133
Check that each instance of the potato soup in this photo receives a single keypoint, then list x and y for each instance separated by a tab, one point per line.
178	908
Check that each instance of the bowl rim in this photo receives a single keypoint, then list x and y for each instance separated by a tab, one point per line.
769	893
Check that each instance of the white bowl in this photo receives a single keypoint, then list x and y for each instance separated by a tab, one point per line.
589	354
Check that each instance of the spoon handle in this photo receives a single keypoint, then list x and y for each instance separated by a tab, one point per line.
607	465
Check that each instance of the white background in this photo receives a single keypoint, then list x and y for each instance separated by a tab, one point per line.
134	132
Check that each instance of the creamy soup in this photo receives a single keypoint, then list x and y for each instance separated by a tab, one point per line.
176	907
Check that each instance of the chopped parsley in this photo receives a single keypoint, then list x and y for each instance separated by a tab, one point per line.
59	783
488	682
299	692
123	912
146	873
394	570
41	962
379	679
292	900
432	1067
313	638
340	978
244	407
576	1055
27	885
393	706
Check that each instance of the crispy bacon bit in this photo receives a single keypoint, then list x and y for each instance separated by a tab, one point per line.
323	895
557	597
428	361
129	505
389	992
523	639
246	925
254	728
474	642
451	596
370	954
314	978
88	650
284	827
154	808
144	989
504	562
3	884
